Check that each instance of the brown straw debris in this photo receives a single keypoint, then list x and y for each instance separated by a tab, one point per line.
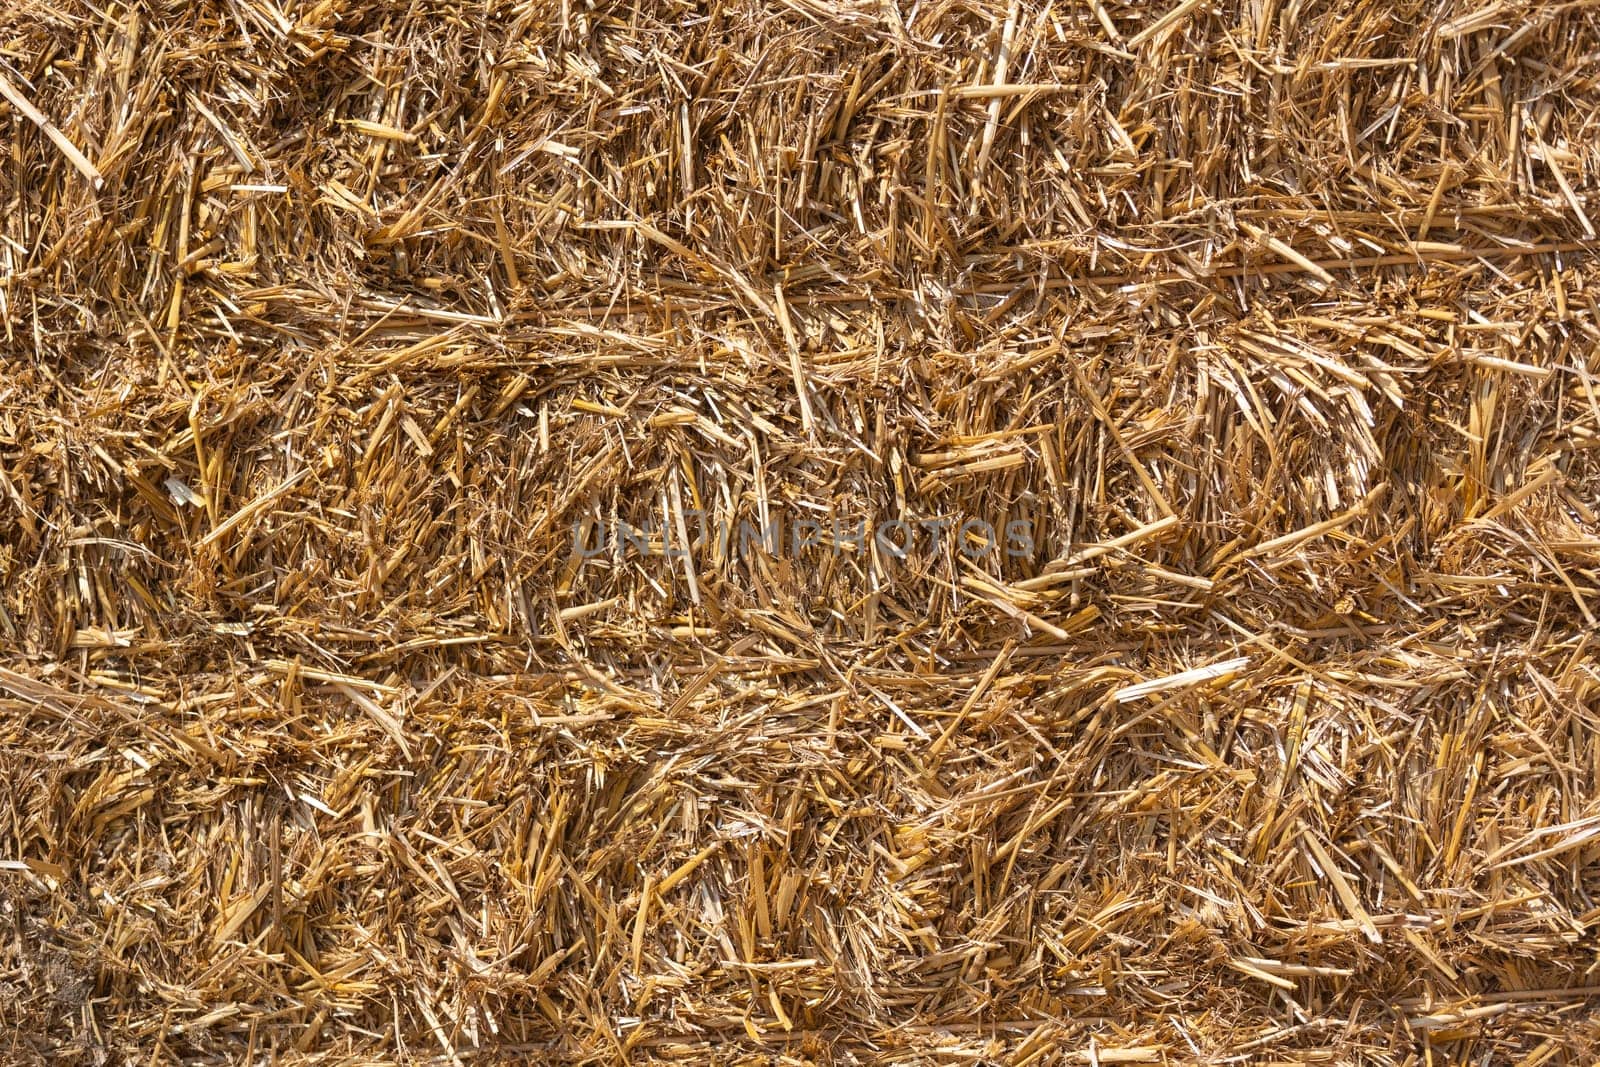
817	532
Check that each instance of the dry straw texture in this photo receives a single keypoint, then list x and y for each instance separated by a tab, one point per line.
1274	322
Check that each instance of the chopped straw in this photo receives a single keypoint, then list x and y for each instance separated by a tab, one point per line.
821	531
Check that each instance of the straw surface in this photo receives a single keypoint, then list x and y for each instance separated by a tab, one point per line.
413	648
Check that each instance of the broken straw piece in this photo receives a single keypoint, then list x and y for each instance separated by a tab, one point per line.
59	139
1178	681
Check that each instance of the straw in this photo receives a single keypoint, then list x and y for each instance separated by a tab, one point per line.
816	532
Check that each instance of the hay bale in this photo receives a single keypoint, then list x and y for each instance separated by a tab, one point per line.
802	532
